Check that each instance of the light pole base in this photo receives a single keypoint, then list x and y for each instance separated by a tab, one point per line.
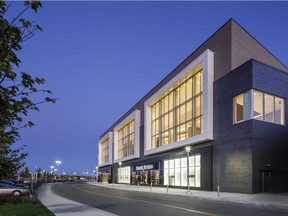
189	193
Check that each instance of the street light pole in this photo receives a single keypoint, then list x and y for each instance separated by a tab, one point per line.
58	162
96	174
188	149
120	163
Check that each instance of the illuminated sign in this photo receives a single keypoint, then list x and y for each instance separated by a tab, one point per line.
144	167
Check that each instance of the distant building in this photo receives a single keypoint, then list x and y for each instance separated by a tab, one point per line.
228	102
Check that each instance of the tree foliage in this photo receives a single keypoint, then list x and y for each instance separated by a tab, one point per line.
25	173
16	87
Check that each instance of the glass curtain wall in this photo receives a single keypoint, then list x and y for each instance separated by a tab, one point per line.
105	151
175	171
126	140
178	115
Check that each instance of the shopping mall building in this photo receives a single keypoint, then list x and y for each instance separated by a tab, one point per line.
227	101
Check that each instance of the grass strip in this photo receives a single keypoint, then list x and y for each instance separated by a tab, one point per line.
22	206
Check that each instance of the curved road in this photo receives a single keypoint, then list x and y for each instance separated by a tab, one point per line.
134	203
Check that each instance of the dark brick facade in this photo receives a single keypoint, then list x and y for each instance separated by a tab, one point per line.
250	156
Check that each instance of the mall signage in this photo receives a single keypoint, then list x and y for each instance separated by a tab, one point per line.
146	167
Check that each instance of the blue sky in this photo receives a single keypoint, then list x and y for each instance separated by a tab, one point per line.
100	58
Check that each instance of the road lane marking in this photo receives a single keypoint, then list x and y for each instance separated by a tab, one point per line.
144	201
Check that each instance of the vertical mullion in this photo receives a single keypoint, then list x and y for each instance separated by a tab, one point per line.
274	109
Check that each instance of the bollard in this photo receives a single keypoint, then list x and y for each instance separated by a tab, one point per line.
151	186
218	191
138	186
167	188
127	185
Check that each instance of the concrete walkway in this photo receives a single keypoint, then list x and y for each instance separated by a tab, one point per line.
274	200
64	207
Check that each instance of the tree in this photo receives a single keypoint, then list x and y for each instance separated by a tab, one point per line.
25	173
16	87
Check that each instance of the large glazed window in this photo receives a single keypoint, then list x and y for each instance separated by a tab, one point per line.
178	115
126	140
105	151
258	105
181	111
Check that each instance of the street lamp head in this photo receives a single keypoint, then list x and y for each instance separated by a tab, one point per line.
188	149
120	163
51	167
58	162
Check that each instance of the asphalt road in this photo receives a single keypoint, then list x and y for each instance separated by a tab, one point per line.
135	203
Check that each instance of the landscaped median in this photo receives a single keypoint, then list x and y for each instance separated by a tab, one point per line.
22	206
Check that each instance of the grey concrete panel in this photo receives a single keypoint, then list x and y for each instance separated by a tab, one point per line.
246	47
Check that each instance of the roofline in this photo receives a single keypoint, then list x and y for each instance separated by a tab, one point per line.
179	65
156	86
260	44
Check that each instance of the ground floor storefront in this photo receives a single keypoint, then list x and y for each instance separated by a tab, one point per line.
104	175
173	169
173	172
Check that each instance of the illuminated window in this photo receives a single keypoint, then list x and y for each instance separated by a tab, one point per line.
258	105
178	115
175	171
124	174
126	140
105	151
279	116
242	107
265	107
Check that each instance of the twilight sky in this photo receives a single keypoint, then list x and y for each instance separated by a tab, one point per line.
100	58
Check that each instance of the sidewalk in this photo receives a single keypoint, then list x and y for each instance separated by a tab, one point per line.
64	207
275	200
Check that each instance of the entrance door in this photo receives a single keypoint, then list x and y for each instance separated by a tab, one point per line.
265	181
105	177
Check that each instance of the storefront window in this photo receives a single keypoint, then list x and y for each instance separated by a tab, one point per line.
124	174
148	174
175	171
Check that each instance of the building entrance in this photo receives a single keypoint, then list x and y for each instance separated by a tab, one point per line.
104	177
265	181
